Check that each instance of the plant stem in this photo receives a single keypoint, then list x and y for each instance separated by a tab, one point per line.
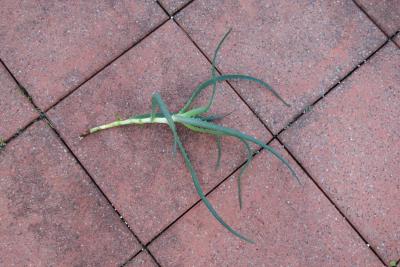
125	122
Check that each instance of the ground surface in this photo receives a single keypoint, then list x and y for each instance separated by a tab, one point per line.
120	198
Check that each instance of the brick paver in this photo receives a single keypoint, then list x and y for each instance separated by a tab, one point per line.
15	109
173	5
397	40
134	165
52	46
292	225
301	48
350	144
143	259
386	13
51	213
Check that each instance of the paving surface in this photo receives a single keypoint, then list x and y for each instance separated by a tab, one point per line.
119	197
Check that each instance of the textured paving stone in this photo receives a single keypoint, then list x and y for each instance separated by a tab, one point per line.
386	13
397	39
292	225
51	46
143	259
173	5
301	48
350	143
15	109
51	213
134	165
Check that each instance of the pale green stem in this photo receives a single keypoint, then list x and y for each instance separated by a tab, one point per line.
127	122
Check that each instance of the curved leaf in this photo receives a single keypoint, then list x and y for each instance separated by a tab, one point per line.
227	77
232	132
157	100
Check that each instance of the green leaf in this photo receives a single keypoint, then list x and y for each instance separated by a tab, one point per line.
2	143
213	81
232	132
213	69
219	146
214	117
157	100
249	158
228	77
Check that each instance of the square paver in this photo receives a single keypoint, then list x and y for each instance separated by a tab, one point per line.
134	165
291	225
15	109
53	46
301	48
173	5
143	259
386	13
51	213
350	144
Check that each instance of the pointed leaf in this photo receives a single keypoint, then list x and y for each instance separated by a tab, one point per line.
158	100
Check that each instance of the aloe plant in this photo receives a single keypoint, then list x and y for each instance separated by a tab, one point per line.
196	120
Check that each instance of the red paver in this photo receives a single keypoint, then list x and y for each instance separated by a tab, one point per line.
386	13
134	165
51	46
173	5
15	109
397	39
292	225
301	48
143	259
350	144
51	213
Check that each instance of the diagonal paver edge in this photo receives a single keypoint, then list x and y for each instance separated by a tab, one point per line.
370	17
315	182
309	108
23	92
30	99
220	73
43	116
143	257
306	109
280	138
141	40
177	10
277	138
52	47
291	157
106	65
239	166
385	14
198	202
43	211
225	180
